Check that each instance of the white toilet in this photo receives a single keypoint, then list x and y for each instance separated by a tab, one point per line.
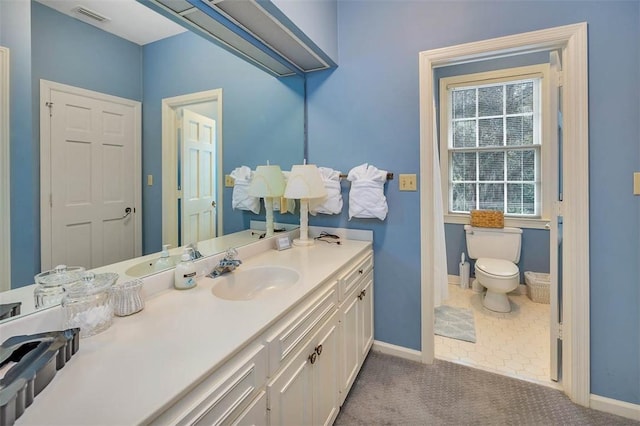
496	250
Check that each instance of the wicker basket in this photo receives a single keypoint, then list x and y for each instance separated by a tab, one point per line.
537	286
487	219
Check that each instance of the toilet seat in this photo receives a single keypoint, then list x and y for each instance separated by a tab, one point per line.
497	268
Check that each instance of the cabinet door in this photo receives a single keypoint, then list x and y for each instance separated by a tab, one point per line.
255	414
305	392
290	393
350	340
366	318
326	374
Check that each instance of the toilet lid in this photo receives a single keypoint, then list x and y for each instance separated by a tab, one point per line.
499	267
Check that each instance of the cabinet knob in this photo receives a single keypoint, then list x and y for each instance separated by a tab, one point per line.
319	349
312	358
364	292
360	271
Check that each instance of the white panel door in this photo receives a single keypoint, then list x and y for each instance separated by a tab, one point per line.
92	180
198	177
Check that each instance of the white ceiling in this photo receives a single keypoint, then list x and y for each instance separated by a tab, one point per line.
127	18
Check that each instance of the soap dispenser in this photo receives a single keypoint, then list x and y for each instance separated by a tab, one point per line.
164	262
185	272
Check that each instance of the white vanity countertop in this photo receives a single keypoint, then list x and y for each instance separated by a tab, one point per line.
145	362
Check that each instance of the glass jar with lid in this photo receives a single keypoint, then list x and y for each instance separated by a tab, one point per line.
50	284
87	303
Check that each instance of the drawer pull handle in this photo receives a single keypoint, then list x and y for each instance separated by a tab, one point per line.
362	294
312	358
319	349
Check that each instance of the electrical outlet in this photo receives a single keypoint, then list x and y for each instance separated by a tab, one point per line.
229	181
408	182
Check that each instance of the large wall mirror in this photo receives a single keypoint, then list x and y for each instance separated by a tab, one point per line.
262	116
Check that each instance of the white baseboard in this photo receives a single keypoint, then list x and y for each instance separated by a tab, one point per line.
399	351
614	406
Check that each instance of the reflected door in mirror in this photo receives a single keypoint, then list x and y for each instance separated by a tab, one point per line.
198	177
92	170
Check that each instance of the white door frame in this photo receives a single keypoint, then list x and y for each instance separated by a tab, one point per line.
170	160
46	86
5	175
572	40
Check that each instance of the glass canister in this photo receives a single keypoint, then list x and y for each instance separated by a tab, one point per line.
127	298
87	303
50	284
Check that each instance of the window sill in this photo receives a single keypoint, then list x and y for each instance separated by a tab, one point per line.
463	219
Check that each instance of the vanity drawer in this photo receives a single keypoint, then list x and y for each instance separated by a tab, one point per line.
351	278
222	396
297	326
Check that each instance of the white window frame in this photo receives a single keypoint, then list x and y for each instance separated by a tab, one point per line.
541	71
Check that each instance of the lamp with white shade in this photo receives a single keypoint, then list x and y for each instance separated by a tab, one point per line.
304	183
267	183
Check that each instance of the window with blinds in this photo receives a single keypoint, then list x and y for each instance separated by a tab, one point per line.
494	145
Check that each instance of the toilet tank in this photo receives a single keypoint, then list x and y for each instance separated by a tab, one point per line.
496	243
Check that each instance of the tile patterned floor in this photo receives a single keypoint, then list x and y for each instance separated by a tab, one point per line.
514	344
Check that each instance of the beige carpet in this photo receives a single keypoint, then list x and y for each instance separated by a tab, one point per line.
394	391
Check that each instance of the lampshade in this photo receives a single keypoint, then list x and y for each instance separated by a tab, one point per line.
268	181
305	182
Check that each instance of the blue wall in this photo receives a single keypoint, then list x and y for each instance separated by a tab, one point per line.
263	117
366	110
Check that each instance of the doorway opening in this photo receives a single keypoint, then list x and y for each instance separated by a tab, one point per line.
571	41
192	174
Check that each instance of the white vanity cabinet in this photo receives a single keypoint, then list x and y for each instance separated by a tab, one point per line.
356	320
191	358
232	394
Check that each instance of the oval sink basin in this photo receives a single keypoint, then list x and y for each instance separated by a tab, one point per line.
253	283
148	267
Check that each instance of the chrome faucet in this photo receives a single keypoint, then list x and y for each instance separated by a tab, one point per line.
195	254
228	264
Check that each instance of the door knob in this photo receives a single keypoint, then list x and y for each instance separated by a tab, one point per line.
127	212
213	204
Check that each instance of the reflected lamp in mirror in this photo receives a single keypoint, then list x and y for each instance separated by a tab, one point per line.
304	183
267	183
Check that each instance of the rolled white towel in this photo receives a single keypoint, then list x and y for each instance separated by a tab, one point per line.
332	203
366	197
240	199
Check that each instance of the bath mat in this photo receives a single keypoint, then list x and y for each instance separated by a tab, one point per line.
456	323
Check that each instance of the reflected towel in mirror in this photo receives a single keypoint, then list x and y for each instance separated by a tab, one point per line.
332	203
241	199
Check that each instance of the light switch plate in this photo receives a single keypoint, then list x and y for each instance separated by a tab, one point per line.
228	181
149	180
408	182
636	183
